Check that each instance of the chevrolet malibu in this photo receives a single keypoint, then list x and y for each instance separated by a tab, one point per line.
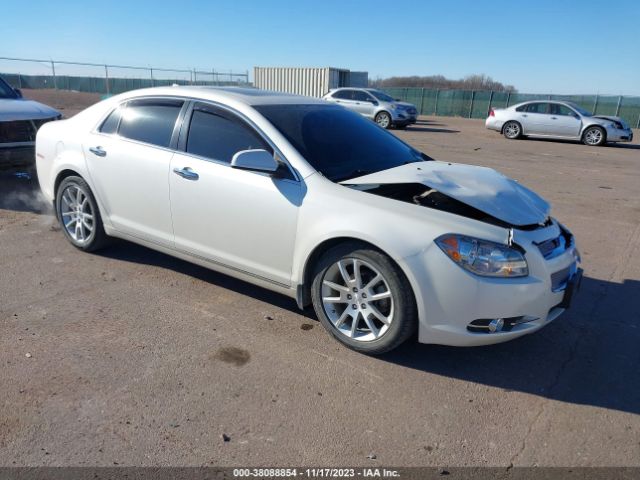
306	198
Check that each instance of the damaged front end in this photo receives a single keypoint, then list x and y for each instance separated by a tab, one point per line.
477	193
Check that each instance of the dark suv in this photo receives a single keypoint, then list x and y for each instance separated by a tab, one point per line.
20	119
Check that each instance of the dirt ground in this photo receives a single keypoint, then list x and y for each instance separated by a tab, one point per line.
131	357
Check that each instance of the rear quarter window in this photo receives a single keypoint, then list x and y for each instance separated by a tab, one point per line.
110	125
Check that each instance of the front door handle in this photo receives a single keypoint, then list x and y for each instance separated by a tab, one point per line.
187	173
524	115
554	118
98	151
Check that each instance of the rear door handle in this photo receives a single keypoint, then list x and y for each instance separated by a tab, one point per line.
554	118
98	151
187	173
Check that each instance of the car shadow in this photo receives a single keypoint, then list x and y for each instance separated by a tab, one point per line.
414	128
588	356
125	251
632	146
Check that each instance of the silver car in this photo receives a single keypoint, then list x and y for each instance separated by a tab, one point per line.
557	119
376	105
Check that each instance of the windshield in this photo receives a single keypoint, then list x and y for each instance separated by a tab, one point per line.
6	91
580	110
337	142
383	97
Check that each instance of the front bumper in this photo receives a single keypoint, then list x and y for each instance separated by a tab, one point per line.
404	117
450	298
619	135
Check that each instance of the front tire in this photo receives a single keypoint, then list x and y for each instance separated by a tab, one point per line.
594	136
512	130
363	299
383	119
78	214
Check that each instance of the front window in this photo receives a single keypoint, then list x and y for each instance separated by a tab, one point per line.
383	97
216	134
337	142
6	91
581	111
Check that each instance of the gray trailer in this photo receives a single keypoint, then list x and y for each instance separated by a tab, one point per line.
313	82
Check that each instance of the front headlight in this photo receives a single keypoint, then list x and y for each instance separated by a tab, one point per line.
482	257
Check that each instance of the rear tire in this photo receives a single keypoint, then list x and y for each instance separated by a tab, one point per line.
79	216
363	299
512	130
383	119
594	136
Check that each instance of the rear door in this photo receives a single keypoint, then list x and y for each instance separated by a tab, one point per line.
128	158
534	118
363	103
345	98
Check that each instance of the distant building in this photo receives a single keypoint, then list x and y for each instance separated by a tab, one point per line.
313	82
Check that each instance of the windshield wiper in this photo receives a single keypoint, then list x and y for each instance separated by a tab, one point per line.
352	174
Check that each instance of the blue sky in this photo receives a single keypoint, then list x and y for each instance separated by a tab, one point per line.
543	46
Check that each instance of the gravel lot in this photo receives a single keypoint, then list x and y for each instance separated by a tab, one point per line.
131	357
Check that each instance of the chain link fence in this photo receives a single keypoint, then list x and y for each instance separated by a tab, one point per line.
105	78
477	103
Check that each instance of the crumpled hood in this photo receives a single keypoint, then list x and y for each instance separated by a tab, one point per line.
22	109
612	118
479	187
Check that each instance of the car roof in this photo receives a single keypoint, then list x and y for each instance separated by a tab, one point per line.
247	95
544	100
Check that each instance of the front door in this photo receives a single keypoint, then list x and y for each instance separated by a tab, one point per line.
241	219
565	122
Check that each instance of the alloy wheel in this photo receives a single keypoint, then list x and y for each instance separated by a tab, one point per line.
357	299
383	120
76	214
593	136
512	130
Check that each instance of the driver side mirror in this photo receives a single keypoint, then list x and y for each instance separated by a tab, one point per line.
18	92
257	160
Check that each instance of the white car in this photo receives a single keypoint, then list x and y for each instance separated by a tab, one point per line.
316	202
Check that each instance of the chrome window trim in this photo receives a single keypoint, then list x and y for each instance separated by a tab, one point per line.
184	121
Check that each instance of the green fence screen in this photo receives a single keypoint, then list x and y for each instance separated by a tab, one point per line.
476	104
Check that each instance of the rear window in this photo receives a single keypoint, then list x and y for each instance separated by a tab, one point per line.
110	125
343	94
150	121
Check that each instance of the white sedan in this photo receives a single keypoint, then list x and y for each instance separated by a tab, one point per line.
314	201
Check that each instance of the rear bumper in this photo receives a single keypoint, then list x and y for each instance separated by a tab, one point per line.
492	123
22	155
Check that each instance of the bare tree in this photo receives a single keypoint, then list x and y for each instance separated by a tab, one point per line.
470	82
